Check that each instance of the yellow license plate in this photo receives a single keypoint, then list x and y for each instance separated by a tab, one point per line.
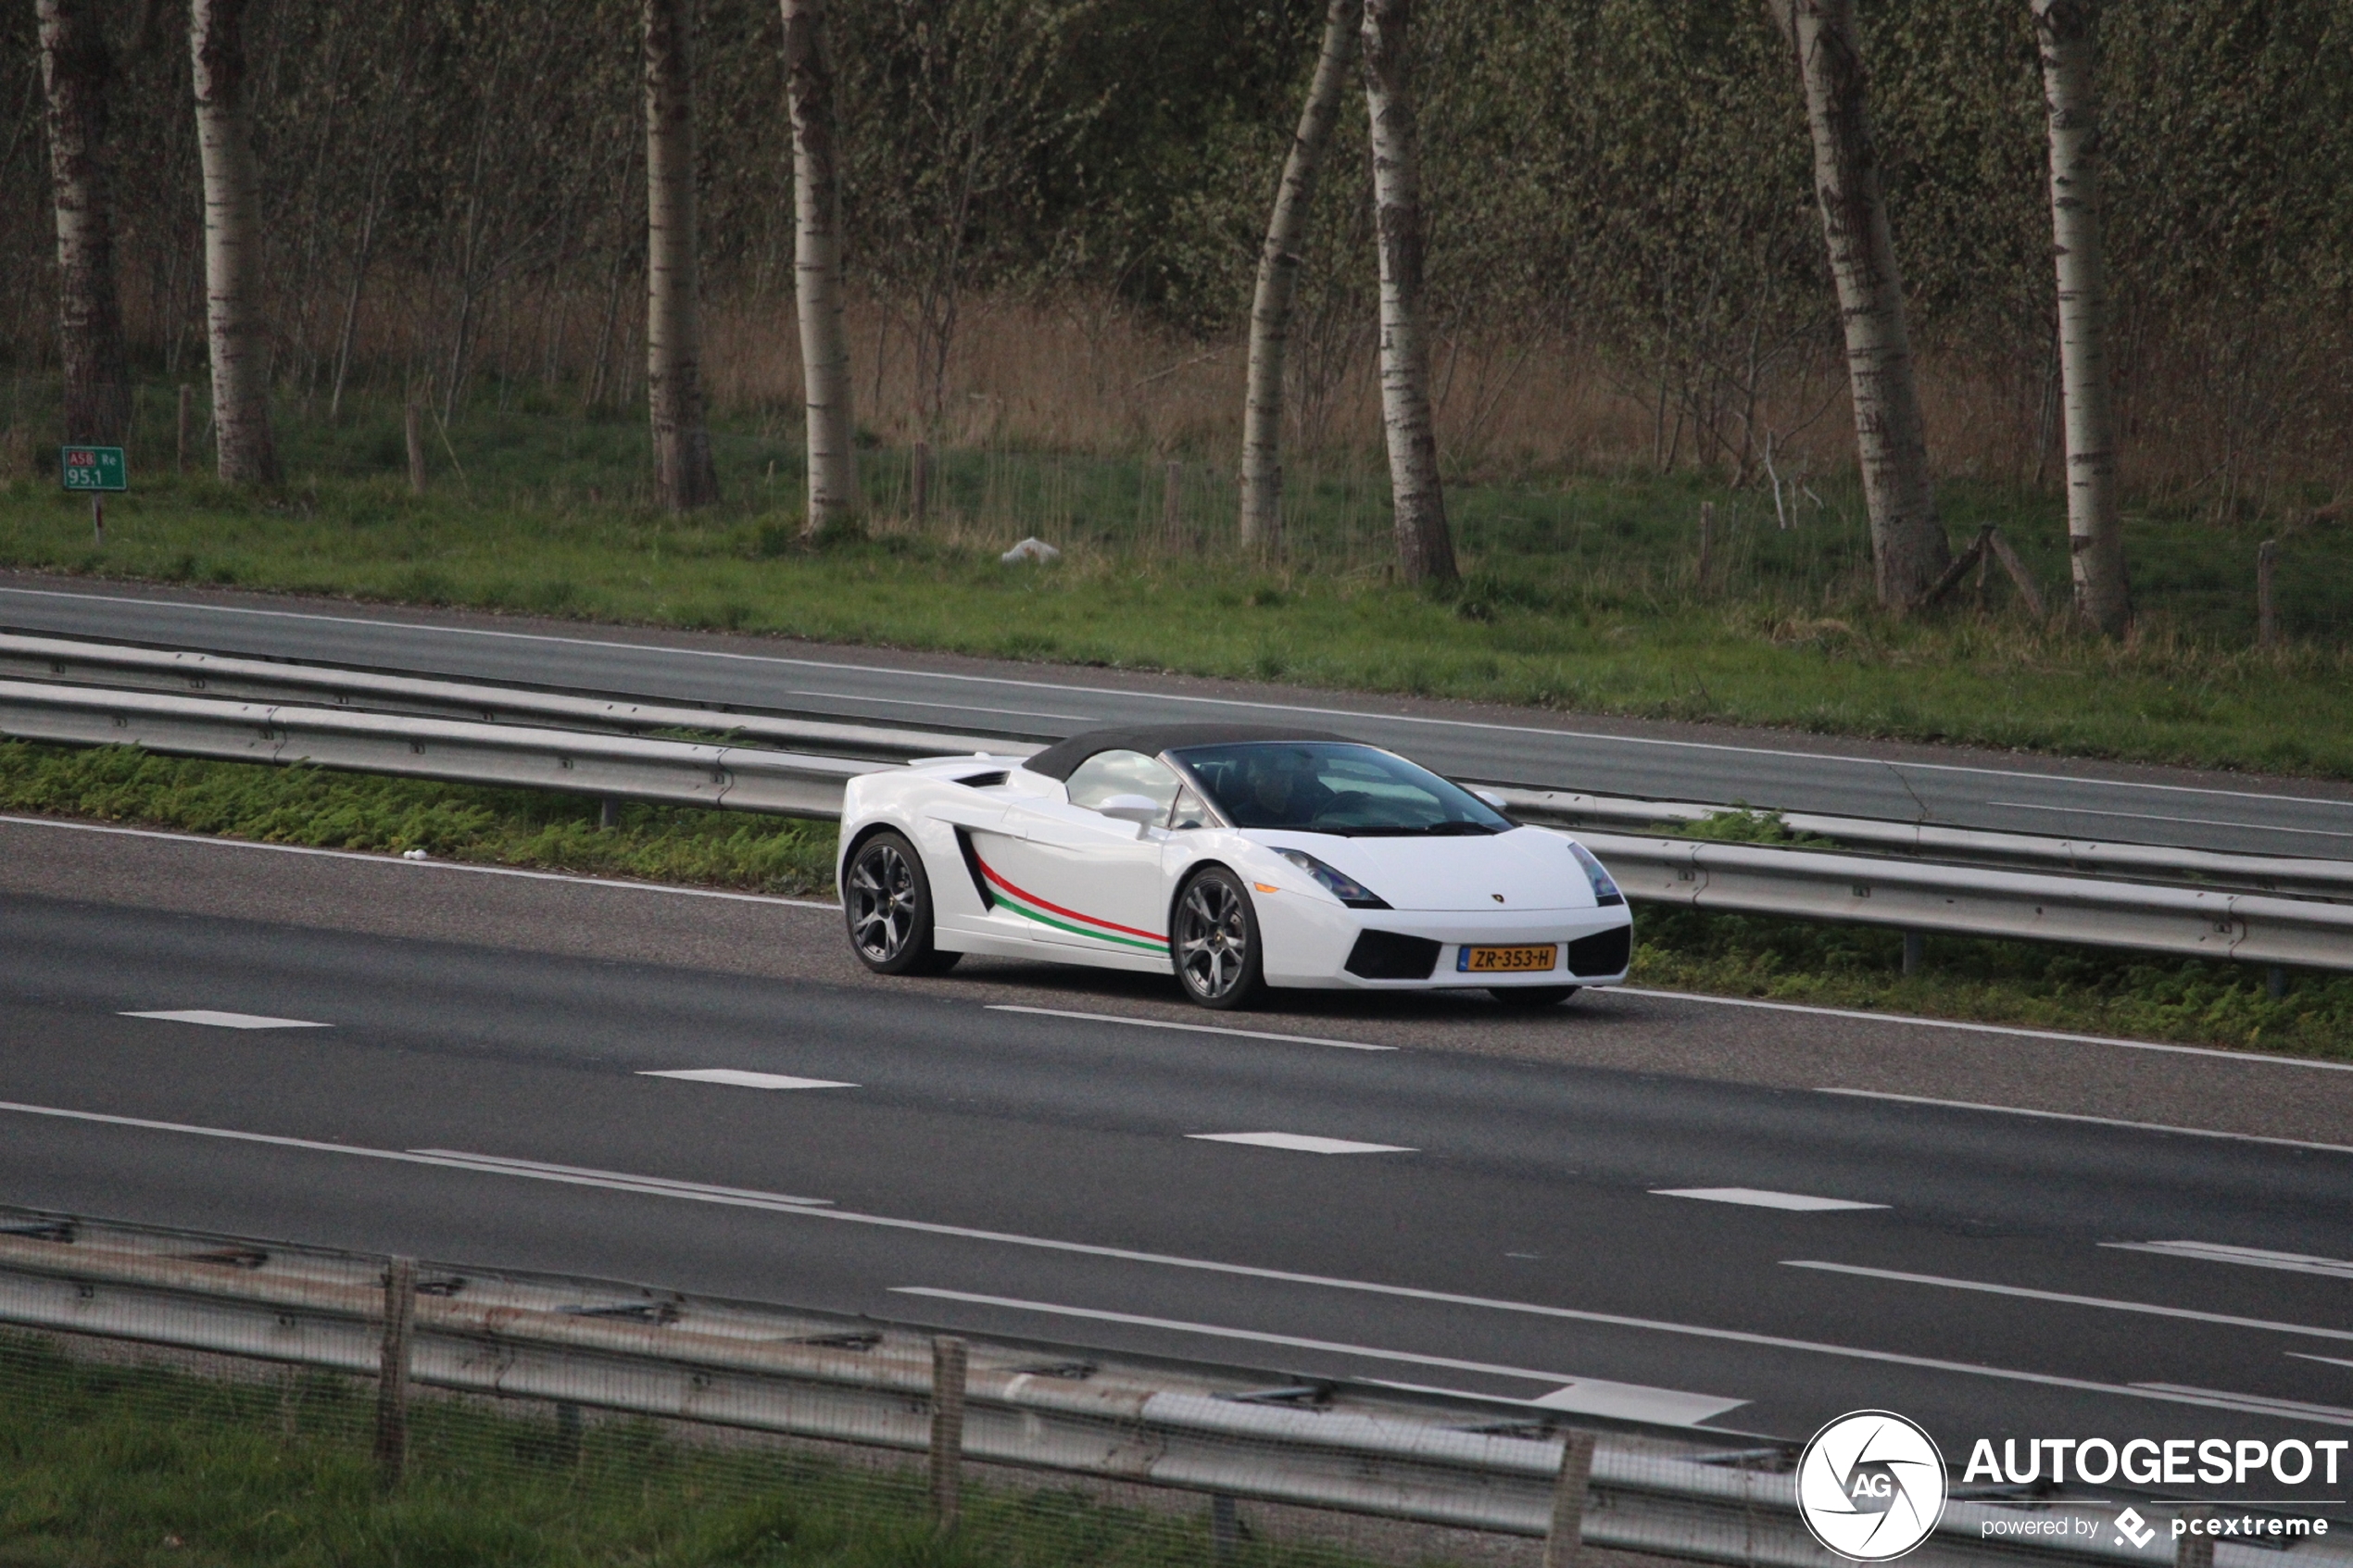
1505	961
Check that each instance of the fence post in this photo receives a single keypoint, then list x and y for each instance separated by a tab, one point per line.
415	423
1707	541
1568	1500
919	481
1172	493
187	423
392	1384
2267	625
948	1373
1225	1530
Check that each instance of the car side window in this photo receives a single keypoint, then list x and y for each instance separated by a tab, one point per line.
1189	811
1122	772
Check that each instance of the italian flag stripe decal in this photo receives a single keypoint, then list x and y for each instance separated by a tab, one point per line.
1031	907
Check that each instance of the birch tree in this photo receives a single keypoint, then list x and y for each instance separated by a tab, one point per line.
824	345
77	72
248	451
1908	547
1425	548
2094	532
683	475
1279	263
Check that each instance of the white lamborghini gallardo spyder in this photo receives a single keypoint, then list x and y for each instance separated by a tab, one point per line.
1239	855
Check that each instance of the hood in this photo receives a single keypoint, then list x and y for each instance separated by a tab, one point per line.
1532	869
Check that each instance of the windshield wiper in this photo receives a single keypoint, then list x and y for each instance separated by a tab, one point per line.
1458	830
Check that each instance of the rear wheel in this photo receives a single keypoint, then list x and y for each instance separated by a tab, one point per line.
1214	945
887	905
1531	997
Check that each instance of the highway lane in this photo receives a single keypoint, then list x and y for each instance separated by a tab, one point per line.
1980	790
1022	1174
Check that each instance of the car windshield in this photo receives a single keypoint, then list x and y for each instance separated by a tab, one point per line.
1331	786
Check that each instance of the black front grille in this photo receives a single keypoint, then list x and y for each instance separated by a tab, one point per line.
1602	954
1389	955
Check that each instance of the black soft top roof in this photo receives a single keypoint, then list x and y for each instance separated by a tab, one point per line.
1061	760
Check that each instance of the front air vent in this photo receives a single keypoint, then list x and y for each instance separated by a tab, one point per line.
1602	954
1388	955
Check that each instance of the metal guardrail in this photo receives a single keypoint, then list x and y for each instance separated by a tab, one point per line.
186	674
1877	890
1686	1493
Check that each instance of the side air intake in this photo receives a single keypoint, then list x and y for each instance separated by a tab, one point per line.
1389	955
1602	954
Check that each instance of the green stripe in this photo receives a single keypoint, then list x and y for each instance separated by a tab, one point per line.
1019	909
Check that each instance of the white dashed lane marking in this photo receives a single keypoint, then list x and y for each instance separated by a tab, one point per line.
229	1020
1757	1197
1303	1143
743	1080
2252	1256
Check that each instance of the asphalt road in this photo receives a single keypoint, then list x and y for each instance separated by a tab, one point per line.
1062	1174
1499	746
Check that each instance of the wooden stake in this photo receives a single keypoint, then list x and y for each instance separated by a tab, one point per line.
1172	492
1706	540
392	1385
2019	574
919	481
1568	1500
187	423
2267	625
416	428
948	1374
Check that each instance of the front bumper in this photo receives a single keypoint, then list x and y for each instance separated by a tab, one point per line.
1312	946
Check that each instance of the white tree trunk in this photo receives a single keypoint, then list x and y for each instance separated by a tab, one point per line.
824	345
248	454
1425	548
77	69
2096	534
1278	281
1908	540
683	476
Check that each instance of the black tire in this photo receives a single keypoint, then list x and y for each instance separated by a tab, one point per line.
1531	998
886	902
1213	941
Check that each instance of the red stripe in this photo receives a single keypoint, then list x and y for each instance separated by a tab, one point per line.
990	872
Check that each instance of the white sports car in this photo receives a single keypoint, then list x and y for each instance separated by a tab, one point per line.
1236	855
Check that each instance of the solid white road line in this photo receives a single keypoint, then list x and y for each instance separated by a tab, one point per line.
620	1181
2095	1121
2308	1356
2257	1404
229	1020
432	865
1164	696
1756	1198
1189	1028
2065	1299
778	1204
2252	1058
1631	1401
2151	817
1304	1143
742	1079
2252	1256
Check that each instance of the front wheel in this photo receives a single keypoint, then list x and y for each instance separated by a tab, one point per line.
888	905
1214	945
1531	997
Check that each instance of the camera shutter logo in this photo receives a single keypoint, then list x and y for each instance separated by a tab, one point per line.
1871	1485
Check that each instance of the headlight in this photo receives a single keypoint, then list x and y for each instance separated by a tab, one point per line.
1605	890
1340	884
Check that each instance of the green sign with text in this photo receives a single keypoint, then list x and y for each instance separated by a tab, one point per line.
93	468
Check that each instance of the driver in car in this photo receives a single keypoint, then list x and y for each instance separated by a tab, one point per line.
1284	786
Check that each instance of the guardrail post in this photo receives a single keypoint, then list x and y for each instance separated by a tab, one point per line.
567	1450
1225	1530
1914	946
2266	624
187	424
919	481
1568	1500
2276	982
607	814
948	1374
392	1384
2193	1550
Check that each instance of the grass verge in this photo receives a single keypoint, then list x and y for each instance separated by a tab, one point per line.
147	1465
2037	984
1580	592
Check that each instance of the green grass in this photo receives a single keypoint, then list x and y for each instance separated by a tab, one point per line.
117	1466
1578	592
2042	985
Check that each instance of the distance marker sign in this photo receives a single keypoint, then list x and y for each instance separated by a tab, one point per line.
92	468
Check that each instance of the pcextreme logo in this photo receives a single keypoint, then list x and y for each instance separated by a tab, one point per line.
1871	1485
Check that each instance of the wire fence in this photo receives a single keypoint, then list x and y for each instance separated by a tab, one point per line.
271	1403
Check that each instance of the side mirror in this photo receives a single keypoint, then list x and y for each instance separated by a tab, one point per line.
1140	810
